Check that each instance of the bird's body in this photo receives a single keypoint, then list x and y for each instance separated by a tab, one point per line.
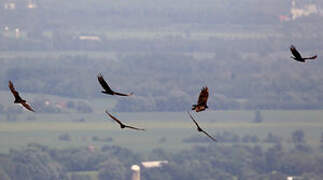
298	57
202	100
18	99
122	126
199	129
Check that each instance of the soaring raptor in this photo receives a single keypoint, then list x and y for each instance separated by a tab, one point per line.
107	89
122	126
298	57
18	99
202	100
199	129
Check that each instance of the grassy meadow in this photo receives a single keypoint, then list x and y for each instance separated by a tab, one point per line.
173	127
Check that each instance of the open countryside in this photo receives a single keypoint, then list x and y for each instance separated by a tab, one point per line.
263	106
172	126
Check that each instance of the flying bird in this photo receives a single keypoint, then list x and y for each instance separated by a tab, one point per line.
297	56
18	99
122	126
107	89
199	129
202	100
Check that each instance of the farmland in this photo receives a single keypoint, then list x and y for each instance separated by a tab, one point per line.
173	127
265	109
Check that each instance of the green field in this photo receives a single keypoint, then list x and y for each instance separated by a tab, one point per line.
91	174
174	127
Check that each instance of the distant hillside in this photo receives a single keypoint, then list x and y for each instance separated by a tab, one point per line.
165	52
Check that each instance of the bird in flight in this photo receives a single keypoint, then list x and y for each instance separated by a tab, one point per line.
18	99
107	89
199	129
122	126
202	100
298	57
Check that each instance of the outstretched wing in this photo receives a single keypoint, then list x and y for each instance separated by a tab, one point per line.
13	90
295	52
104	84
27	106
131	127
114	118
193	120
204	95
313	57
209	135
121	94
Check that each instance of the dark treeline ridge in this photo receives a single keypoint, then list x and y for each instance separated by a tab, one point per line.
220	161
171	81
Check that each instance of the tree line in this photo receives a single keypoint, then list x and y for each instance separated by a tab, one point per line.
210	161
171	81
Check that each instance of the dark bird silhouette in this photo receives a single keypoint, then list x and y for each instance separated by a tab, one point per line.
107	89
122	126
298	57
18	99
199	129
202	101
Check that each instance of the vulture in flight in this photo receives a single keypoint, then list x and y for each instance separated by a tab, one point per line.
202	101
107	89
297	56
122	126
199	129
18	99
